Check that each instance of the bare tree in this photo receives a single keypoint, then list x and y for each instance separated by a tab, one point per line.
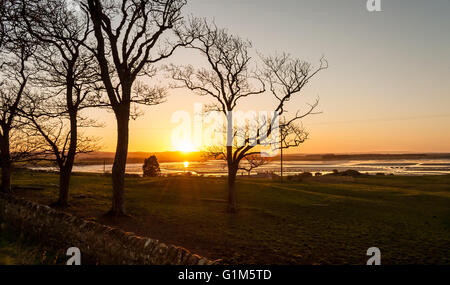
11	94
131	37
252	162
51	126
227	81
15	52
229	78
291	135
66	76
286	77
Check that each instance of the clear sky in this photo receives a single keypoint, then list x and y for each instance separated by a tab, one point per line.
387	88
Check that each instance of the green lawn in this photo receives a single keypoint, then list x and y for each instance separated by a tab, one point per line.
408	218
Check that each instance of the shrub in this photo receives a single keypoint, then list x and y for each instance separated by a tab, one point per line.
151	167
299	177
351	172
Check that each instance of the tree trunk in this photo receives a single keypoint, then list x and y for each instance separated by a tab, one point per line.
232	170
5	163
120	160
232	206
64	182
65	170
6	176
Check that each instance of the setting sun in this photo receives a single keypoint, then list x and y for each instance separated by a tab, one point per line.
186	164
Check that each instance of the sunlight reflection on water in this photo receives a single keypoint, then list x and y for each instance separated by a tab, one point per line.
218	168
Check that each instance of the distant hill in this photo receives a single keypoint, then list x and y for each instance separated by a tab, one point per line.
177	156
138	157
366	156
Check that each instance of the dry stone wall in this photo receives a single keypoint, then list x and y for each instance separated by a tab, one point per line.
98	243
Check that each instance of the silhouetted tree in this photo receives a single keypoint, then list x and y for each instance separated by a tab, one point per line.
66	75
291	135
229	79
252	162
131	37
15	51
51	125
151	167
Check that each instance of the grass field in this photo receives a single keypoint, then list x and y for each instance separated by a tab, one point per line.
313	222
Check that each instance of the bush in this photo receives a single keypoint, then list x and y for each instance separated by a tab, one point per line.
299	177
351	172
306	174
151	167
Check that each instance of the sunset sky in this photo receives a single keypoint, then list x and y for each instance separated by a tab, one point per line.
387	87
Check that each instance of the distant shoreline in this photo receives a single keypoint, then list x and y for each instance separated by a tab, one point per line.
398	166
138	157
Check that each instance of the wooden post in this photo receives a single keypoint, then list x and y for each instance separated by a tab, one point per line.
281	155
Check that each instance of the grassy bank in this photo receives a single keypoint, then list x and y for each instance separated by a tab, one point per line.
16	250
310	222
